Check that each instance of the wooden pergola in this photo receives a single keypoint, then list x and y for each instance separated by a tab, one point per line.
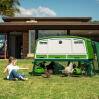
23	26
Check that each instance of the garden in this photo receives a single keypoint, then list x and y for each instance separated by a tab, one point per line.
55	87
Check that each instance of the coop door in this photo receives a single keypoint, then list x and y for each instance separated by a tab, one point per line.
59	46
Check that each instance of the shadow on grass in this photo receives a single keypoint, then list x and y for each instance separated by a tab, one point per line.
97	72
31	73
5	79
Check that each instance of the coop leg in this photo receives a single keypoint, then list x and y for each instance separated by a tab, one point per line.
93	67
79	64
89	69
34	68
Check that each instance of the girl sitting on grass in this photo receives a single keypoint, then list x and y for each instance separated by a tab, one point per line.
12	70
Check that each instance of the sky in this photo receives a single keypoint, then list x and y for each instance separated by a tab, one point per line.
59	8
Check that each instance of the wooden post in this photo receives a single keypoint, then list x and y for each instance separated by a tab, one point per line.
68	31
5	47
36	34
8	50
25	44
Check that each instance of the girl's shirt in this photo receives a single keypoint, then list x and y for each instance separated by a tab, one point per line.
10	68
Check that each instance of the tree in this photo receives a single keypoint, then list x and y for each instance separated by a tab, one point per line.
9	7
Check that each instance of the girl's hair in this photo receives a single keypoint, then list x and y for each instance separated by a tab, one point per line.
11	59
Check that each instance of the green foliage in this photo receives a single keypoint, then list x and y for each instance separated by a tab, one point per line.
9	7
55	87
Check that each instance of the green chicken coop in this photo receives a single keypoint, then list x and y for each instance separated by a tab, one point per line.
64	48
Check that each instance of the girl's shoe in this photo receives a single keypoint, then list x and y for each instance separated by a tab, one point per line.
23	78
15	79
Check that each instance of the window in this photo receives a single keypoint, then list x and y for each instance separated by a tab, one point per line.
31	41
2	44
43	42
78	42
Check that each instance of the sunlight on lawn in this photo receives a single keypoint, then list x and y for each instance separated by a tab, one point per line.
56	87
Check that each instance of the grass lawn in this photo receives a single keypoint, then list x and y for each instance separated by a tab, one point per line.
56	87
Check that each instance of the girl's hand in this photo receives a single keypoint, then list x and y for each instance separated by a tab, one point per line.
27	68
24	68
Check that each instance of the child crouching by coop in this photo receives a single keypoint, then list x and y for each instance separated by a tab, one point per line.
12	70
